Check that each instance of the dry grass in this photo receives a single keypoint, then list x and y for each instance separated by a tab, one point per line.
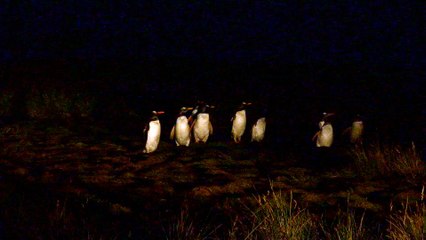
6	98
53	104
185	228
408	223
347	225
376	160
276	216
407	162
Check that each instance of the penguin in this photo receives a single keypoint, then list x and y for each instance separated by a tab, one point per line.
153	132
181	131
356	131
324	137
202	126
239	121
258	130
259	127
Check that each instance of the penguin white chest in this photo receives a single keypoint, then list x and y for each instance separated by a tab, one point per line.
202	127
325	136
258	130
320	124
239	125
153	136
357	131
182	131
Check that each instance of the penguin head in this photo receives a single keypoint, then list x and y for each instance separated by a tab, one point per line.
244	105
326	117
155	115
202	107
207	108
358	118
327	114
198	106
183	110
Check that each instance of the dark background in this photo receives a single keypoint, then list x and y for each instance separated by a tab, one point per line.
298	59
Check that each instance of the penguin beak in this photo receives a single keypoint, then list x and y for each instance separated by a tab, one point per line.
160	112
189	108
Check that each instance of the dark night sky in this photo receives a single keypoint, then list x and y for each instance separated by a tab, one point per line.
375	32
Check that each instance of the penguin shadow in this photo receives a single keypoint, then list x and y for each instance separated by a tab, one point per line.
205	177
256	146
138	154
254	152
142	156
327	158
263	157
239	151
185	154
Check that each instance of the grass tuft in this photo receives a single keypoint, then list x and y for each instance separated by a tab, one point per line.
347	225
184	227
276	216
383	161
56	104
6	98
408	223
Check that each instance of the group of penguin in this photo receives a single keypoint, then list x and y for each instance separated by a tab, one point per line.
194	122
324	136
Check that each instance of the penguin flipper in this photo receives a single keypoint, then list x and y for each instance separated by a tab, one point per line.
347	130
190	119
192	125
172	133
316	135
210	128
